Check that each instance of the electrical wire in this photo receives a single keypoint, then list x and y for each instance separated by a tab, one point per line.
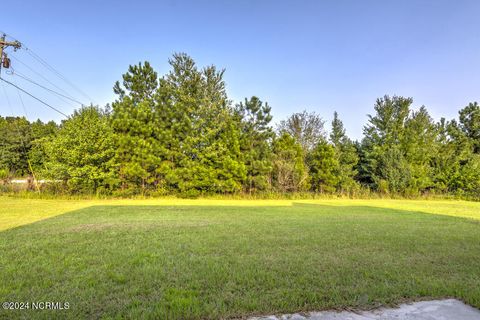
41	76
45	88
67	94
21	101
31	95
56	72
9	36
37	57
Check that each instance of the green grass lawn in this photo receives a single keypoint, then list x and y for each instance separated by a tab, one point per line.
187	259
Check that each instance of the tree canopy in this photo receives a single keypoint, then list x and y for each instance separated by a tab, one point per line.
179	133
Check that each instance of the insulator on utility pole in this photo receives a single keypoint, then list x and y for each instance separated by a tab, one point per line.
4	60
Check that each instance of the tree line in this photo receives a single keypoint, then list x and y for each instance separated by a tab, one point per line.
180	134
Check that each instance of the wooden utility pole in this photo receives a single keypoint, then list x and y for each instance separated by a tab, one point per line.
4	60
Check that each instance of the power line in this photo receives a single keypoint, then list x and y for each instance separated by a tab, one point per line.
8	35
41	76
57	73
43	87
51	68
21	100
31	95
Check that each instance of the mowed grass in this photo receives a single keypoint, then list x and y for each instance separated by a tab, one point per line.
193	259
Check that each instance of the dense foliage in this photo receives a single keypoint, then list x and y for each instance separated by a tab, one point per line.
180	134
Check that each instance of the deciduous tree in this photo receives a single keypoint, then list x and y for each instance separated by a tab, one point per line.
290	173
306	127
81	152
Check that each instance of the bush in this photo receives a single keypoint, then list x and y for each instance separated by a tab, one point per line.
189	194
4	176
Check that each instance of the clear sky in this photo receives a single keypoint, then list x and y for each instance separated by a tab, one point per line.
316	55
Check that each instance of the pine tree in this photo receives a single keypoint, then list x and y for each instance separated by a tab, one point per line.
253	117
201	150
134	123
455	165
470	124
384	160
418	147
346	157
323	165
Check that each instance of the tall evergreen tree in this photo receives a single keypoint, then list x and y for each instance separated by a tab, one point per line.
346	157
134	122
323	167
201	149
470	124
418	147
384	159
455	164
253	117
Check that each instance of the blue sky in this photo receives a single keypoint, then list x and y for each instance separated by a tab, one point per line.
316	55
